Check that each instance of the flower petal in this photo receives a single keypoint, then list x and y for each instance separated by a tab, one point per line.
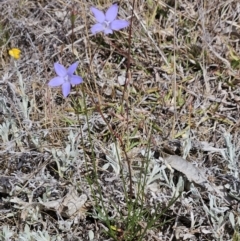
98	27
60	70
99	15
119	24
56	81
112	12
66	87
71	69
75	80
107	31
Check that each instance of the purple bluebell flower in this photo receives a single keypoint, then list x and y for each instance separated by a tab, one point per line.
107	22
65	78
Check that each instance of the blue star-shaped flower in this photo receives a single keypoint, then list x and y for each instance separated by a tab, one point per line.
107	22
65	78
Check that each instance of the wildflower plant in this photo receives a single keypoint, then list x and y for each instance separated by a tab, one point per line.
107	23
65	78
127	224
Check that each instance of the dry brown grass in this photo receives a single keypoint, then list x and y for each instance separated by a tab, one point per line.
183	87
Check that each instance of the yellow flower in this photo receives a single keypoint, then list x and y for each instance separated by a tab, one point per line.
15	53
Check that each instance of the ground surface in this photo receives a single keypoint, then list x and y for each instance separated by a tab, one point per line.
64	162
